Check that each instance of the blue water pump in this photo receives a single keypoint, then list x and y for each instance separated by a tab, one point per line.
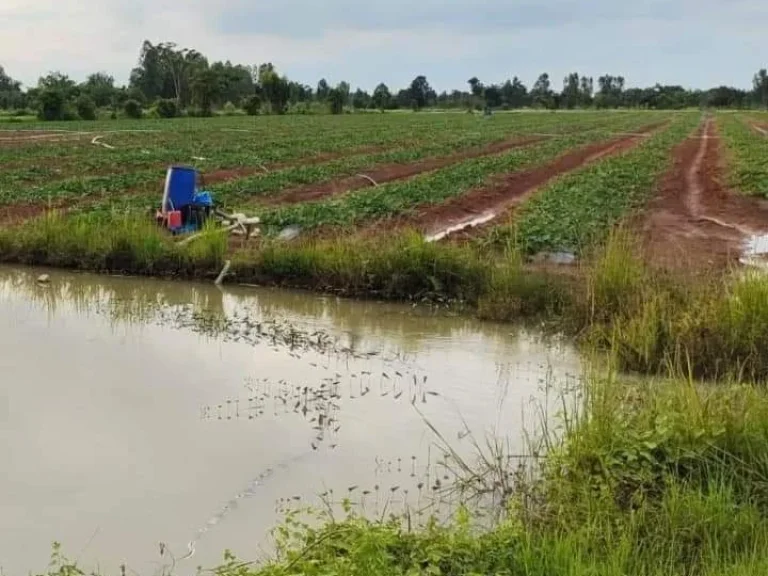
184	207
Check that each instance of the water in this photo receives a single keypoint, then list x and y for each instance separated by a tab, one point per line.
129	419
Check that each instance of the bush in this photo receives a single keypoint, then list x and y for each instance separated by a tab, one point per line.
132	109
166	108
53	106
229	109
86	107
252	105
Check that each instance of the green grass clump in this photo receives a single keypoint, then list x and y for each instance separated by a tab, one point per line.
110	243
651	479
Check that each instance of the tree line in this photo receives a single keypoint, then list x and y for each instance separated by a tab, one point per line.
170	81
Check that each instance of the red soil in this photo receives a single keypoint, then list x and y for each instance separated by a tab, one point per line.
679	227
390	173
510	190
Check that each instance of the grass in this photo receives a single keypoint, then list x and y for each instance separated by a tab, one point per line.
657	478
714	326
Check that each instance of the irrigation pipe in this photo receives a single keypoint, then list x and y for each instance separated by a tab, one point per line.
97	142
223	273
366	177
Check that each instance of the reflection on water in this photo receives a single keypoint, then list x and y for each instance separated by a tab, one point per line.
137	411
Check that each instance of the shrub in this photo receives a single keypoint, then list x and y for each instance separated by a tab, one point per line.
132	109
252	105
166	108
53	105
229	109
86	107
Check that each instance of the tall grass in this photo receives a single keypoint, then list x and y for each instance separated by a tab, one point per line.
708	326
656	478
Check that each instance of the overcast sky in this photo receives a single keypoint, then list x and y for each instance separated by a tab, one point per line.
697	43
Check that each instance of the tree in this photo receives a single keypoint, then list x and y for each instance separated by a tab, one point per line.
586	89
322	90
419	92
361	100
571	95
166	108
100	87
493	98
382	97
132	109
52	104
336	101
205	90
760	84
235	82
86	107
541	93
11	95
252	105
610	91
514	94
344	88
274	87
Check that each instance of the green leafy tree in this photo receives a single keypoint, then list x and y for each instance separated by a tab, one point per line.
336	101
322	90
514	94
132	109
274	88
86	107
100	87
361	100
586	90
382	97
167	108
52	104
11	95
252	105
571	95
542	94
760	86
205	90
419	92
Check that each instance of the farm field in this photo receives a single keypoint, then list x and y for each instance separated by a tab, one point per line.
689	184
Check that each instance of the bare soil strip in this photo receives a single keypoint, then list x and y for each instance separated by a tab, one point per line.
480	206
694	221
390	172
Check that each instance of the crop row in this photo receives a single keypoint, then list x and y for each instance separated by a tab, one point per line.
146	181
230	147
433	188
580	208
748	154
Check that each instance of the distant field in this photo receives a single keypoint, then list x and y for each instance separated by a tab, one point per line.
550	181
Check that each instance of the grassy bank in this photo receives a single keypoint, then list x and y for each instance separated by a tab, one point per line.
715	326
653	479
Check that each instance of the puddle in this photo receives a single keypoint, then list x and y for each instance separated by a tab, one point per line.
137	411
755	252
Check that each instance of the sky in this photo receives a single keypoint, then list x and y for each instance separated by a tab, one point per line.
696	43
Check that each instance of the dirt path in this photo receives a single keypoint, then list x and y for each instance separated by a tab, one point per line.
475	209
390	172
694	221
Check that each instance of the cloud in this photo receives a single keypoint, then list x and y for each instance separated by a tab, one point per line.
690	42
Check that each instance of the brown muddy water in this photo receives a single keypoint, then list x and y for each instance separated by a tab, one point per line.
137	412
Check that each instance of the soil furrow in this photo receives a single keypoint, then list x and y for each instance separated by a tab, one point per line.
390	173
478	208
695	221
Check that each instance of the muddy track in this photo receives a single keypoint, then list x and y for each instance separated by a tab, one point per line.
385	173
695	221
467	214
